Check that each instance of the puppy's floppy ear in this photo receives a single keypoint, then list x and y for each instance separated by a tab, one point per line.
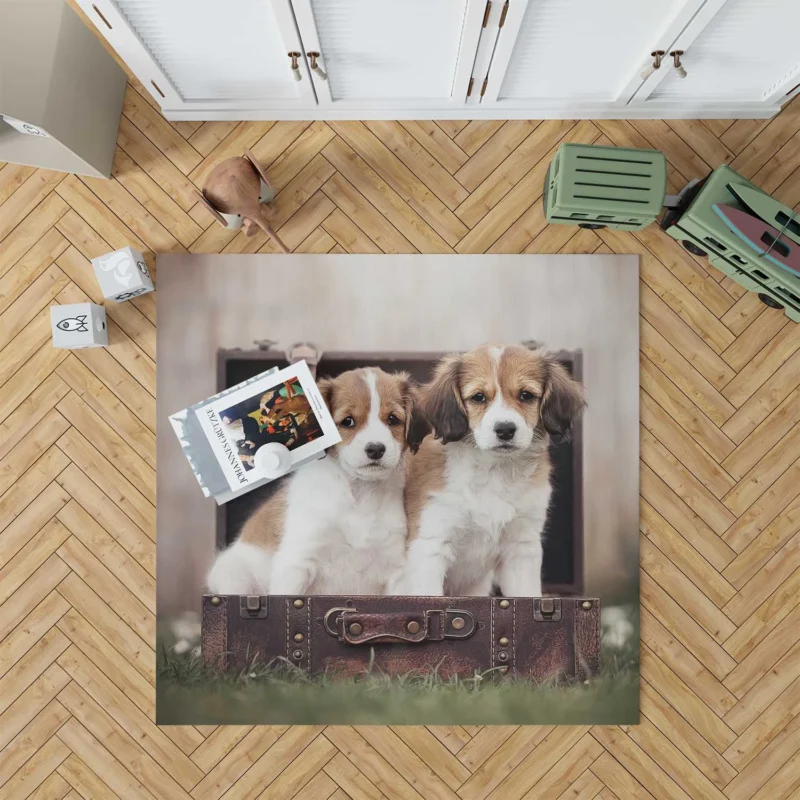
417	425
325	386
563	399
442	403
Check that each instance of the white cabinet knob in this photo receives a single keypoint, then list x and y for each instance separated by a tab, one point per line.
295	66
315	68
651	68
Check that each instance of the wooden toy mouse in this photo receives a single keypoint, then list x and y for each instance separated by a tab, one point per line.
234	194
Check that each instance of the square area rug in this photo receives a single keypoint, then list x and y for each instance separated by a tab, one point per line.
449	325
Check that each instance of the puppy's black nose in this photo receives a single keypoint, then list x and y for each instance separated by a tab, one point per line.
505	431
375	450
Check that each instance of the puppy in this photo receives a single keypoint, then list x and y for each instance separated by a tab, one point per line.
477	495
337	525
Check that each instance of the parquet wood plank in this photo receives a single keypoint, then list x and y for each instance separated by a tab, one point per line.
683	411
144	153
30	267
766	731
78	449
45	720
389	169
35	225
298	154
110	625
238	762
681	554
437	143
117	721
672	761
94	768
684	737
676	584
36	709
426	168
350	780
84	782
159	131
720	476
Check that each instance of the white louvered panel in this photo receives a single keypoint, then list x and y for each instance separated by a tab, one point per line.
583	49
214	50
389	49
746	49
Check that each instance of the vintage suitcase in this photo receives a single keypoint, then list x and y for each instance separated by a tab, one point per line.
524	637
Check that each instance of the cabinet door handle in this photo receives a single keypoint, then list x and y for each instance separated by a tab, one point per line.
315	68
676	60
651	68
295	66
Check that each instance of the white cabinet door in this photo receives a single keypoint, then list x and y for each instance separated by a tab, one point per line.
558	54
391	54
735	51
206	53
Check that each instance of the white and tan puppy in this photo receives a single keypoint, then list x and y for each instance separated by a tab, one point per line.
337	525
477	494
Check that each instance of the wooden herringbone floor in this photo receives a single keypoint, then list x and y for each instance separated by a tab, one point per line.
720	551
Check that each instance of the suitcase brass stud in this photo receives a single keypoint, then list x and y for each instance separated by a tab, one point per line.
503	641
298	603
355	629
298	637
503	670
502	655
413	627
504	604
458	623
215	601
586	605
298	654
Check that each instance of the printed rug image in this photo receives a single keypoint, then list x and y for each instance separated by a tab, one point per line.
398	489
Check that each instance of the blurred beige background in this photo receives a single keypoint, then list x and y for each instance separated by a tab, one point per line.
404	303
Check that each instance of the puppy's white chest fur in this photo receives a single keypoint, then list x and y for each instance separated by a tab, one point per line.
486	505
353	533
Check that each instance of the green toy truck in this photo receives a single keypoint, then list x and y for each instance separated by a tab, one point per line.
598	187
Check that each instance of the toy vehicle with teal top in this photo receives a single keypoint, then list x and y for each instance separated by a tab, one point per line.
703	232
597	187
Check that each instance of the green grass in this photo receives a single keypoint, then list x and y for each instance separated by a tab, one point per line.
279	693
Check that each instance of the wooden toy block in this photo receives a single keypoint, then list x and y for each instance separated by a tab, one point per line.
122	274
78	325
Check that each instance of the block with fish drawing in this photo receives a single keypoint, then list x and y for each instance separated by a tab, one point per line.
122	275
79	325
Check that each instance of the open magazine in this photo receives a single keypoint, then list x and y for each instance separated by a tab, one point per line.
222	435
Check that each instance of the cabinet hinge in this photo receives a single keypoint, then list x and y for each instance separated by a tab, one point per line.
486	13
469	88
483	88
503	15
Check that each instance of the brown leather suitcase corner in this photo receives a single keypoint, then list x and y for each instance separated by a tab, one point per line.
524	637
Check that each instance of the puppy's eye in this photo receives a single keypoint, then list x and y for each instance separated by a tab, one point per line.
393	420
525	395
348	422
478	397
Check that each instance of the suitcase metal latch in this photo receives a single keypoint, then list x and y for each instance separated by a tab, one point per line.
546	609
253	606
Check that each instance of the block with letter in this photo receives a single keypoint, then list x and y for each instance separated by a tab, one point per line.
122	275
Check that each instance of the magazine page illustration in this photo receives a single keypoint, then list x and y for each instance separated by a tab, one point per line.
284	408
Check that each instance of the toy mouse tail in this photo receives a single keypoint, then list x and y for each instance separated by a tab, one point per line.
268	229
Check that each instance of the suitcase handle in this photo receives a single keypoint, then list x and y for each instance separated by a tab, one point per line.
405	627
